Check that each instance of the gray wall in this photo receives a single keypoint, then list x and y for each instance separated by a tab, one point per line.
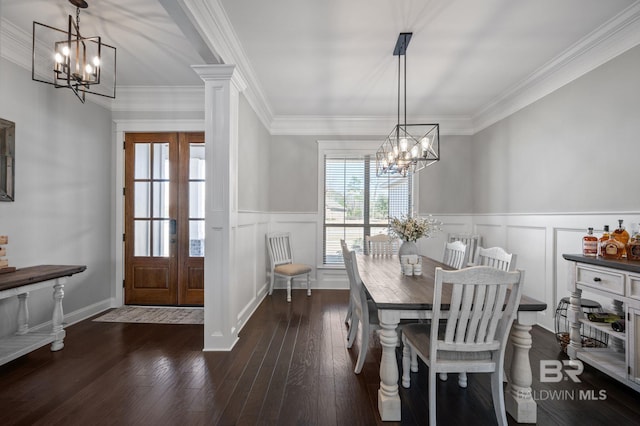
62	208
293	175
445	187
575	150
253	164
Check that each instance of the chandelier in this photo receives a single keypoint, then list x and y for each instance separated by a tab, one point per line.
409	147
67	59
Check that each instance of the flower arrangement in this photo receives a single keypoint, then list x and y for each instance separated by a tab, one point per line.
411	228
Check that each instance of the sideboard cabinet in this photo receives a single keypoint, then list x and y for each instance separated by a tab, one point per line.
619	281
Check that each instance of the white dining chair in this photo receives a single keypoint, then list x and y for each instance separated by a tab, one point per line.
364	314
345	249
281	262
473	333
472	241
381	245
455	255
496	257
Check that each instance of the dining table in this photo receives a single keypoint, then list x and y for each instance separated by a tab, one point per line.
398	296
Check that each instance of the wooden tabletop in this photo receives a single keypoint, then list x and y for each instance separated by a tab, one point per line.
36	274
390	289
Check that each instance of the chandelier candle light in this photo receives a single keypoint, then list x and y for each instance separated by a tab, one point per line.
409	147
78	63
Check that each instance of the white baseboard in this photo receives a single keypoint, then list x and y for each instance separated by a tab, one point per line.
78	315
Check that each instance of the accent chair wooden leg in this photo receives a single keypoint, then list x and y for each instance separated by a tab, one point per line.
462	379
289	289
309	284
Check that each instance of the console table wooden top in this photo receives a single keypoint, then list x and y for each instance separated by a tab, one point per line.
36	274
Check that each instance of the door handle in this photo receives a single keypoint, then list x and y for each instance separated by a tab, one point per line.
173	227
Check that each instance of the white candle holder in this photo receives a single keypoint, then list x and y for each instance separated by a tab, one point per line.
411	264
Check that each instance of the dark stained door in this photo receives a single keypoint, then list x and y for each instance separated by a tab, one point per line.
164	218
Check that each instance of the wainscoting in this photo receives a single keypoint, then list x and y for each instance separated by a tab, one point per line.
539	240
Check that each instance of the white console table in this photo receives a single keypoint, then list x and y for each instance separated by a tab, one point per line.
618	280
20	283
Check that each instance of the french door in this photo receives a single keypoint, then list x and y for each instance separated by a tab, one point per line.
164	218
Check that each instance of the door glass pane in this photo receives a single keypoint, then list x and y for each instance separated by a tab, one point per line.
142	161
196	161
142	196
141	238
196	238
161	199
161	238
196	200
161	161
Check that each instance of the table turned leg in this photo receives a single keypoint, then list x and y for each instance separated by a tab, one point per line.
23	314
574	313
388	397
58	315
519	402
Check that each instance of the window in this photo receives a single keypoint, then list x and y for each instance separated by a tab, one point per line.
358	203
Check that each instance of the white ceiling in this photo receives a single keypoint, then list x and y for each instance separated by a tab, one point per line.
333	58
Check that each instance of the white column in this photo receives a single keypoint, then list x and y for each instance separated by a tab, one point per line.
223	85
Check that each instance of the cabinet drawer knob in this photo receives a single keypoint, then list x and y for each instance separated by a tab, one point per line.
597	279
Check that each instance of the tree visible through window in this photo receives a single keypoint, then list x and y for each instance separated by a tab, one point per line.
358	203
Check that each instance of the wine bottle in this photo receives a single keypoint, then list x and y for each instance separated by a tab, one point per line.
603	238
621	235
612	248
618	325
590	244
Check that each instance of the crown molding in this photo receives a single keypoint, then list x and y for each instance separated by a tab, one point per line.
159	99
364	126
209	17
611	39
15	44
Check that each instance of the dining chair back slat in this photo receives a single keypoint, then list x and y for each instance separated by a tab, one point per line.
455	255
381	245
472	241
496	257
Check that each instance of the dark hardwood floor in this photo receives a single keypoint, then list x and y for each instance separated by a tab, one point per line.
290	367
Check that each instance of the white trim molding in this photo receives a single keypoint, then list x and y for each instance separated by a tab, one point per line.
223	84
611	39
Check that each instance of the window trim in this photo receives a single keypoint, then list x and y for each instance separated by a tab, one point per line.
345	147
